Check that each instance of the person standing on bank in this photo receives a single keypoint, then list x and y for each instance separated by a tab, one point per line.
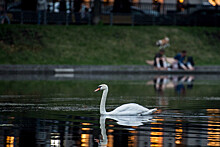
160	60
3	13
42	9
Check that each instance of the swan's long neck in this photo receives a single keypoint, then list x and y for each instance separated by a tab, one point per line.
103	100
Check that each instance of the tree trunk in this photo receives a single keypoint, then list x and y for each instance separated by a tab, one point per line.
97	11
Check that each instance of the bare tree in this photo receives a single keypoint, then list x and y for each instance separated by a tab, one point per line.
122	6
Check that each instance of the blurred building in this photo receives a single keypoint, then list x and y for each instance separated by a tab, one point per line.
195	2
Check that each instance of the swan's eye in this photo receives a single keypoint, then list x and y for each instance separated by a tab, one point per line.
99	86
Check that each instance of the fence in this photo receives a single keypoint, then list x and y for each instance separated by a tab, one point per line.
141	14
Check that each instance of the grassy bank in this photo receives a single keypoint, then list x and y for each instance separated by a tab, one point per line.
103	45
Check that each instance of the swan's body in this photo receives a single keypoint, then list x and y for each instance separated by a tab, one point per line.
126	109
130	109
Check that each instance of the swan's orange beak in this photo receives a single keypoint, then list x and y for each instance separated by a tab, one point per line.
97	89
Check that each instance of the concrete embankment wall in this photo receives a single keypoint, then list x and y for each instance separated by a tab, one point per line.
99	69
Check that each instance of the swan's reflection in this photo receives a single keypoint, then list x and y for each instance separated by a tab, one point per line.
121	120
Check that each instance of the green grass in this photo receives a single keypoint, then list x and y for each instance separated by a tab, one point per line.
104	45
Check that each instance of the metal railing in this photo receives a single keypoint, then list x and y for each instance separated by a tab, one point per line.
141	14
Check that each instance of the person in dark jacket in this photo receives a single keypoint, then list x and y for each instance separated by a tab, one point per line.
180	58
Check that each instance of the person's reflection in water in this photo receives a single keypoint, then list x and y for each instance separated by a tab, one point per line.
190	82
160	84
180	83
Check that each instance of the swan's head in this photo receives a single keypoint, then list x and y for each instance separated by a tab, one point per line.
101	87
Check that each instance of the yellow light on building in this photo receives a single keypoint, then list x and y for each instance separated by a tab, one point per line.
214	2
110	1
181	1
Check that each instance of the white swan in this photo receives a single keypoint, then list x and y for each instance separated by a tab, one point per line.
126	109
130	120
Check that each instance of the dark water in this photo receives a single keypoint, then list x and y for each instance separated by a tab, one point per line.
64	111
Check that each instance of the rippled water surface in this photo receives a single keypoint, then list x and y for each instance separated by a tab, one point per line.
65	111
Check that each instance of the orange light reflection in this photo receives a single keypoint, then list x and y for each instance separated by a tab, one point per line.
10	141
156	137
85	137
179	133
132	140
84	128
214	127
